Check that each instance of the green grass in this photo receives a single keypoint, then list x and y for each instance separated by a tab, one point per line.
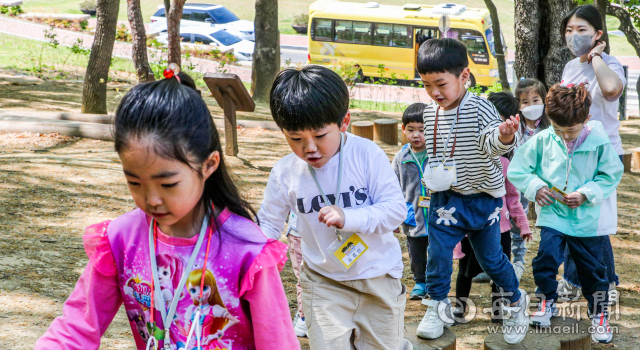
378	106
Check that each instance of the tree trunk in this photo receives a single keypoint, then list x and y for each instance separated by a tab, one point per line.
139	35
540	49
266	56
602	7
556	54
173	31
626	26
94	92
497	39
527	25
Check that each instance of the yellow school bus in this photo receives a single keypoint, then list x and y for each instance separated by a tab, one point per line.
370	35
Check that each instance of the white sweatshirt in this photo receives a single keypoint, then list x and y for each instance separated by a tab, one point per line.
371	198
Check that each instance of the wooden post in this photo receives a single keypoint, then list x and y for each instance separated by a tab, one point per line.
403	138
543	341
622	106
578	338
232	96
636	159
626	161
363	129
230	127
386	130
447	341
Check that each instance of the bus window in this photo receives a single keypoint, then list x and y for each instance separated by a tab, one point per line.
344	32
382	34
474	42
424	34
362	33
402	36
321	29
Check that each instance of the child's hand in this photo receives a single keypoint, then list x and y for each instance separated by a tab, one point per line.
526	236
544	197
575	199
508	129
332	216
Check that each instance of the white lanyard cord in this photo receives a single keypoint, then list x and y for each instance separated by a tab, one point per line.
167	317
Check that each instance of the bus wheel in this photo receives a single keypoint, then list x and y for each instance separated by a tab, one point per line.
359	79
471	82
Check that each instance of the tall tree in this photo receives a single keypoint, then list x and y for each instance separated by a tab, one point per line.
266	55
139	36
627	22
540	49
173	30
94	92
497	40
602	7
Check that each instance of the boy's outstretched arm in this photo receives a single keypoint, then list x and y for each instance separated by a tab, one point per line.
388	210
496	137
273	210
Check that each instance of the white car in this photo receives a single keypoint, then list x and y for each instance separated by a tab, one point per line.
223	40
206	15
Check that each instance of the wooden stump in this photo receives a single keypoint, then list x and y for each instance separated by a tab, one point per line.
532	341
626	161
403	139
636	159
386	130
446	342
363	129
572	334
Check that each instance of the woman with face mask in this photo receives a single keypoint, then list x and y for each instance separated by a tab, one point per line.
604	77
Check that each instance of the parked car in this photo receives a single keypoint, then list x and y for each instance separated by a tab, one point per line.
206	15
242	49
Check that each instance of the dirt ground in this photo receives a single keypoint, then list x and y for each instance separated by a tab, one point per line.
52	187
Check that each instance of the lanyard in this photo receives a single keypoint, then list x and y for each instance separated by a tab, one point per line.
417	161
167	316
453	126
568	163
315	178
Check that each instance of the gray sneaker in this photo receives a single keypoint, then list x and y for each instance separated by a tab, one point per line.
546	310
482	278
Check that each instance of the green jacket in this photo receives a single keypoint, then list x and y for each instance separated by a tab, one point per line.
595	172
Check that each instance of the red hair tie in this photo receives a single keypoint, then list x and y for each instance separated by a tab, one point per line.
172	71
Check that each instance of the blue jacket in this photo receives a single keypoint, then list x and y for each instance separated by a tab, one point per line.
596	172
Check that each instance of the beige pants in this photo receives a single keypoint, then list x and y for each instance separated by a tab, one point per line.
359	314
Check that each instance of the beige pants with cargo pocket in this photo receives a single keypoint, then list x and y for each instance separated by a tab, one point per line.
357	314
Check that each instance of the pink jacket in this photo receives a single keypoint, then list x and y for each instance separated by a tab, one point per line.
244	277
512	206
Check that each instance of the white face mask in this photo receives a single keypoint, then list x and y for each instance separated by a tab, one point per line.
533	112
579	44
439	179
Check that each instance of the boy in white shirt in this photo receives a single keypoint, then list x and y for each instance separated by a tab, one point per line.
355	300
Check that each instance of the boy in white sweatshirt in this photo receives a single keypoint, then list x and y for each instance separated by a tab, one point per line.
353	297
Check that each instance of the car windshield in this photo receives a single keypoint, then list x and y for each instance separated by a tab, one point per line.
225	38
492	45
221	15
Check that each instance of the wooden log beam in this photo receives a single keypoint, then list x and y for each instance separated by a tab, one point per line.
386	130
13	124
363	129
446	342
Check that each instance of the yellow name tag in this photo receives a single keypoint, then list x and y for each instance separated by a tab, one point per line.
558	195
424	202
350	251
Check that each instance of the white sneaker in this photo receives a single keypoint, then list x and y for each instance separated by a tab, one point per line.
299	326
601	331
516	323
435	319
546	310
518	267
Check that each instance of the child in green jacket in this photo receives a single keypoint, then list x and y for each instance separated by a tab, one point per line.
569	169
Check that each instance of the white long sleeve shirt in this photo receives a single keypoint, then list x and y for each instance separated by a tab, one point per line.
371	199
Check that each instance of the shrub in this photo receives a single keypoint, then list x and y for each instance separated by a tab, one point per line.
89	5
301	19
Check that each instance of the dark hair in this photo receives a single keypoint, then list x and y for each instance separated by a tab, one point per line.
568	106
413	113
442	56
308	98
178	121
186	80
589	13
524	85
505	103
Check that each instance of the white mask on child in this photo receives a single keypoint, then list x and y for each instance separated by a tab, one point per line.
439	179
533	112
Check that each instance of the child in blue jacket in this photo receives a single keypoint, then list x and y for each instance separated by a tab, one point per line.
569	169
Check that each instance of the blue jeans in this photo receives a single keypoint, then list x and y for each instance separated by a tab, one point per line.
571	273
451	217
518	247
586	253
